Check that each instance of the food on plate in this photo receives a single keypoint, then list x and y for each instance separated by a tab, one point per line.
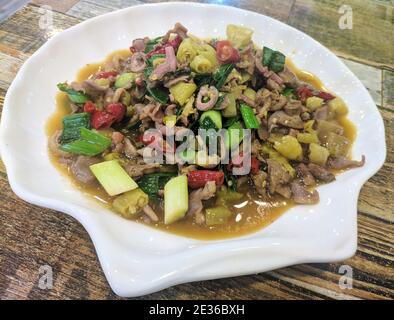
277	123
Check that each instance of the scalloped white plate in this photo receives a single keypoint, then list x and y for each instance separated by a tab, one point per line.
136	259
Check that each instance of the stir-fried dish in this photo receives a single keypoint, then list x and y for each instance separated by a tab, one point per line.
137	132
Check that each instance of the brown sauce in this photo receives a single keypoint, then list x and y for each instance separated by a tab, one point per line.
251	213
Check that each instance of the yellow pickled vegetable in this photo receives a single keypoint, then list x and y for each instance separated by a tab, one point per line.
186	51
318	154
158	61
289	147
182	91
111	156
337	106
239	36
274	155
308	137
313	103
169	121
130	203
250	93
231	109
217	215
337	145
324	128
308	126
201	64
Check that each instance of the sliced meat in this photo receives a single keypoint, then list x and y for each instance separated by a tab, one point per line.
289	78
81	171
207	92
137	62
137	170
279	104
94	89
302	196
278	179
169	65
117	142
129	149
293	107
320	173
195	200
304	175
247	100
178	29
281	118
150	213
339	163
152	111
138	45
176	80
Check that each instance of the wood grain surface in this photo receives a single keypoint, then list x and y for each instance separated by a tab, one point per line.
32	236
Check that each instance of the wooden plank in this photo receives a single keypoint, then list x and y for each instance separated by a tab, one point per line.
22	32
59	6
370	39
388	89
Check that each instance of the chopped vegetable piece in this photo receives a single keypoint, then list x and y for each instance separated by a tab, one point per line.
274	60
176	199
231	109
313	103
72	125
239	36
318	154
289	147
90	144
249	117
118	110
305	137
113	177
130	203
182	92
325	96
220	76
337	145
217	215
324	128
234	135
304	93
169	121
250	93
288	92
225	52
338	106
73	95
153	182
159	94
214	115
107	74
125	80
198	178
102	119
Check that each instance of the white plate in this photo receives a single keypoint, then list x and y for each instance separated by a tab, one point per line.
136	259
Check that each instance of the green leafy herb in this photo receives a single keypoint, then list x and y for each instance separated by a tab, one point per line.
229	178
134	125
72	125
74	95
202	79
154	57
288	92
151	44
230	121
153	182
274	60
220	76
91	143
159	94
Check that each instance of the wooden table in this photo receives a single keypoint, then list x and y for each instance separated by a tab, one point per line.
32	236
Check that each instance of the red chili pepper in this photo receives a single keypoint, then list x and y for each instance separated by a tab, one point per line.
325	96
118	110
106	74
225	52
254	165
198	178
102	119
161	49
237	161
304	93
89	106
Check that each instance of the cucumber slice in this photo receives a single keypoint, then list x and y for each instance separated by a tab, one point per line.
176	199
234	135
113	177
214	115
125	79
